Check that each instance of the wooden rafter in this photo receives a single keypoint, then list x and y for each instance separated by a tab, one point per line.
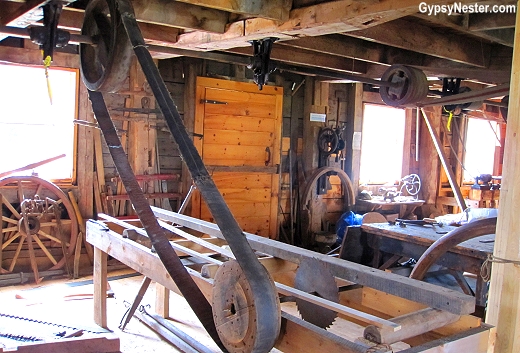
420	38
502	36
310	58
315	20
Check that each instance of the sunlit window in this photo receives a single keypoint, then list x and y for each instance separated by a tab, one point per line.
482	138
31	128
382	144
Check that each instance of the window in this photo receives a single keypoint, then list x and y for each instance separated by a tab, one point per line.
481	140
31	129
382	144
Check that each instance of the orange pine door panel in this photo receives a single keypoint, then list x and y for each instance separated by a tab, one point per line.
241	129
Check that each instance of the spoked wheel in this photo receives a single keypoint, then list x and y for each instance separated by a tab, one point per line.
409	85
41	222
328	141
412	184
241	325
104	64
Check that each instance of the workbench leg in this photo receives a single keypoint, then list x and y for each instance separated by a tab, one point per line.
162	301
100	287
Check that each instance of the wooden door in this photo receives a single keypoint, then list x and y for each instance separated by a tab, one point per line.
240	145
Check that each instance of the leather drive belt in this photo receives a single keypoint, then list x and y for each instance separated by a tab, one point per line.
257	276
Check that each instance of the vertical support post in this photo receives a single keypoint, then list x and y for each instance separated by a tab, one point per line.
162	300
353	133
100	287
504	294
447	168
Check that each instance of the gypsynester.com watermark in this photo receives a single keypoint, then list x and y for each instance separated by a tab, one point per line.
459	8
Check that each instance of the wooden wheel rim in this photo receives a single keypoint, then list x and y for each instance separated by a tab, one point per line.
60	195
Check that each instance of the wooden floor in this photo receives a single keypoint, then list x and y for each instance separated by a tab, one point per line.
46	302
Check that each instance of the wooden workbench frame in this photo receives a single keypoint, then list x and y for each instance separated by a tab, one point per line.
359	304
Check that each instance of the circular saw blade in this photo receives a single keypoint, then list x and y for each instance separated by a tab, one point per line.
315	278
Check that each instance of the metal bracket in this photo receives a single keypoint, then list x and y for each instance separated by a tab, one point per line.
260	62
49	36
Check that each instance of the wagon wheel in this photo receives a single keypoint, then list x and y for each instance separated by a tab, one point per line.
450	240
43	227
104	64
410	86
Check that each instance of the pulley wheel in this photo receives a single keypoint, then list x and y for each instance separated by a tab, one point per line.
104	64
328	141
410	86
241	325
313	277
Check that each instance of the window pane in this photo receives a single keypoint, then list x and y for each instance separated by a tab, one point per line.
31	129
481	141
382	144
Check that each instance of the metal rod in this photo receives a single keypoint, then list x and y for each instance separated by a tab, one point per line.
24	33
137	300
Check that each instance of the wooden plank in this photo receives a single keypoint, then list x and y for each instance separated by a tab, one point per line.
235	155
242	180
275	10
242	209
238	137
422	292
237	122
237	95
180	15
241	169
85	155
107	343
503	305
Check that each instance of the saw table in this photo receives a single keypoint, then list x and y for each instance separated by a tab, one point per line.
373	311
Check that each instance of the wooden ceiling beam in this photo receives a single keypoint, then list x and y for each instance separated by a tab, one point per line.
153	34
180	15
359	49
271	9
419	38
459	23
19	14
316	20
484	22
309	58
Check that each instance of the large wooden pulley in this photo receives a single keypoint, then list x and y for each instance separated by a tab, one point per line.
407	85
242	326
104	64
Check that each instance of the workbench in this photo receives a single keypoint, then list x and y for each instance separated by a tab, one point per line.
411	241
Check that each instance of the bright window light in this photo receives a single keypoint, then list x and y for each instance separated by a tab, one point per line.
31	129
482	138
382	144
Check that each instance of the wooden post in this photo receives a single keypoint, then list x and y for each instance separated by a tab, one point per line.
162	300
504	295
100	287
353	133
447	168
85	156
428	161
